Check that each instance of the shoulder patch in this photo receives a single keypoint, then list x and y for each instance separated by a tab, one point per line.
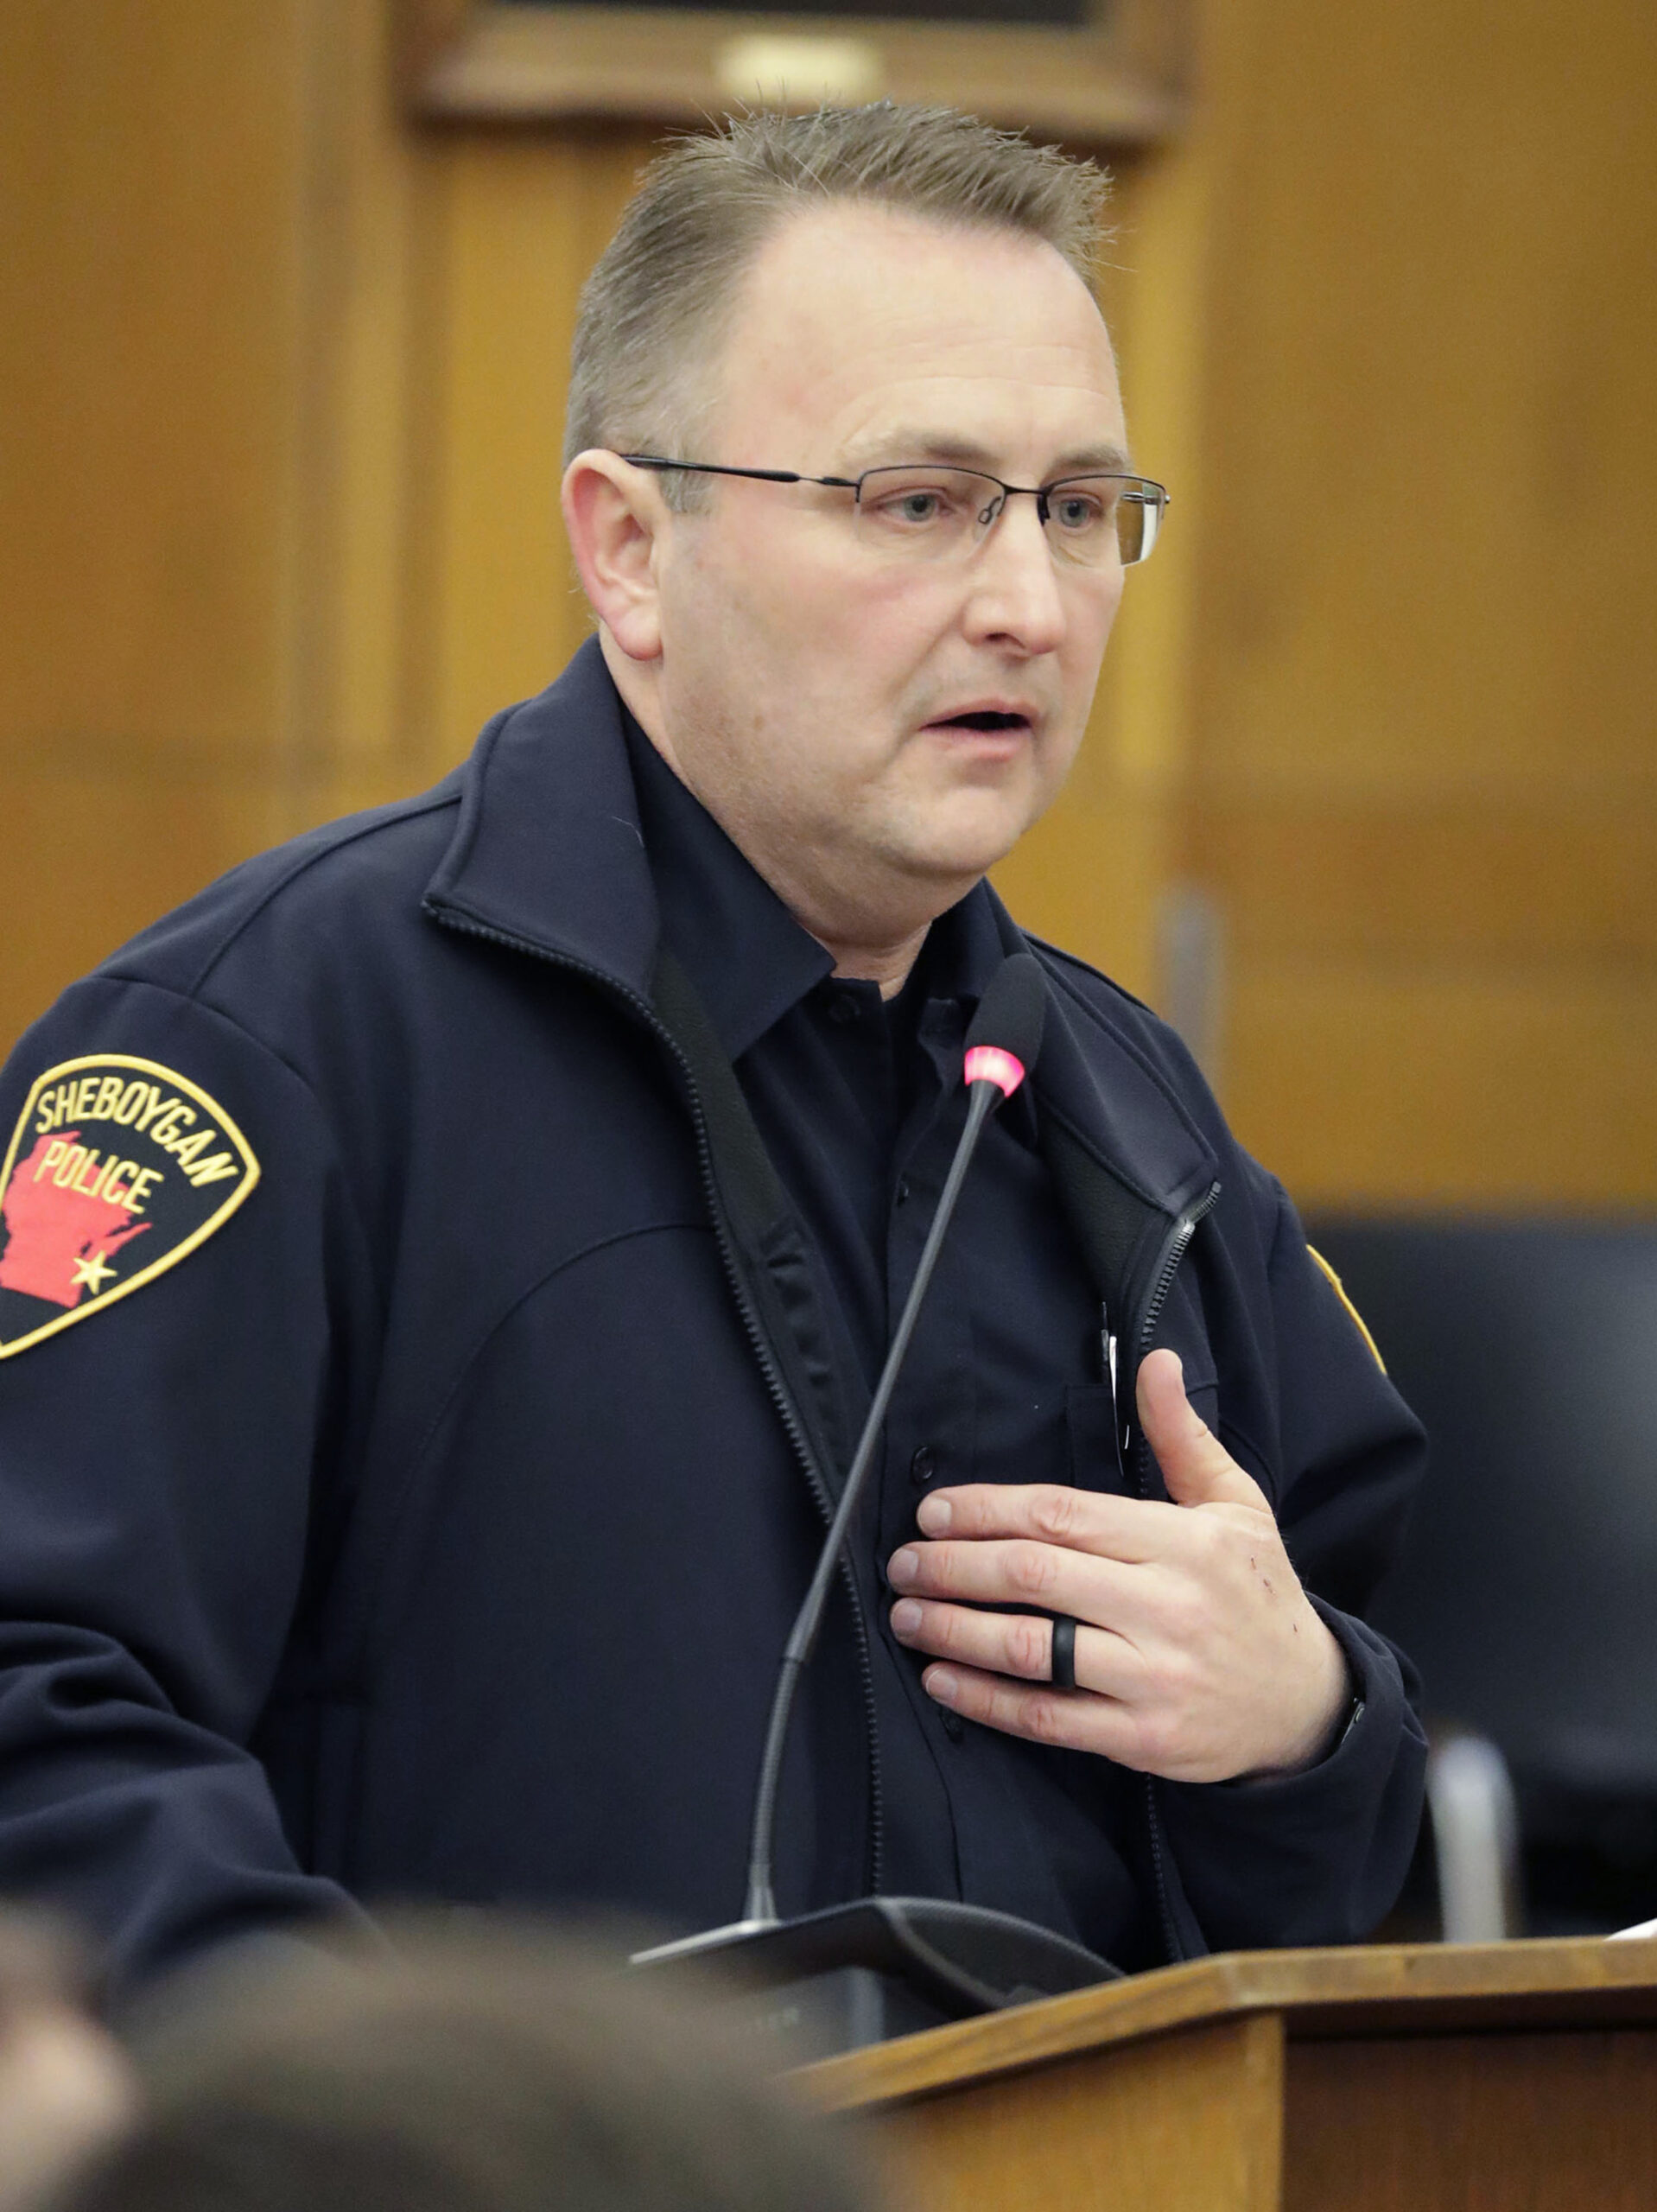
1340	1292
117	1169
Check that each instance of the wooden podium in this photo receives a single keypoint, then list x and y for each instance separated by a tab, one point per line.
1407	2079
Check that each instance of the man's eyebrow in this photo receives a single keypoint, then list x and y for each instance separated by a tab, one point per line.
1111	460
894	448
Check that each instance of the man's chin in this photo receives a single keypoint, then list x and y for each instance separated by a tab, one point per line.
967	843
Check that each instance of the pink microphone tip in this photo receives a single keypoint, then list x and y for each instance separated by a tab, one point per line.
989	1064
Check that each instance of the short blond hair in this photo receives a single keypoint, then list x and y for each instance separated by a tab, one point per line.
656	308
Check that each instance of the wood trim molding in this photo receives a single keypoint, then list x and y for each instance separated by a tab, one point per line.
1118	82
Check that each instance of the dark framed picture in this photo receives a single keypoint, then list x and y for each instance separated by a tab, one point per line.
1092	72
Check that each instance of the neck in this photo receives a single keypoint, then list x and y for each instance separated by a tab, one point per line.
872	938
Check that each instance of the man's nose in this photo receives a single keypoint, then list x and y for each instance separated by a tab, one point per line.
1015	591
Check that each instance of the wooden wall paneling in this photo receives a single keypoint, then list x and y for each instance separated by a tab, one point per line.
1476	877
99	839
1428	332
526	217
150	321
216	359
1090	875
281	386
1445	1088
1423	781
151	274
370	225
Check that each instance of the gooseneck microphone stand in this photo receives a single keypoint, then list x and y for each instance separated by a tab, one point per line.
882	1966
761	1906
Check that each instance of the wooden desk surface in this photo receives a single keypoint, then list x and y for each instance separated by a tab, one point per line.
1362	1991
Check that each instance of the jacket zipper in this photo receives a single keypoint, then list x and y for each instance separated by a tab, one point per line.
1173	1252
775	1384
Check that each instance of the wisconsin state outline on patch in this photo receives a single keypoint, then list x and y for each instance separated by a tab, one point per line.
117	1169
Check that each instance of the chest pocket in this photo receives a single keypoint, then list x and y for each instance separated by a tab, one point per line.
1096	1459
1095	1456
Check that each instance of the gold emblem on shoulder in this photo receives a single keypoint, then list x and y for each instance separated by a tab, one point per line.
117	1169
1340	1292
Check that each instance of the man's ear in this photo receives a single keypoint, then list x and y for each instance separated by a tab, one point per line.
614	513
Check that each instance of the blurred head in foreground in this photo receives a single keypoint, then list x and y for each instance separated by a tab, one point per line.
65	2089
494	2069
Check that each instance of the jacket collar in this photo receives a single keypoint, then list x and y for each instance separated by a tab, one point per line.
748	958
549	853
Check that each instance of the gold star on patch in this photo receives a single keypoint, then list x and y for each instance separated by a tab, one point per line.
94	1273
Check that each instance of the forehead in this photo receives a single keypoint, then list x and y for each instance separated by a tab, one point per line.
861	328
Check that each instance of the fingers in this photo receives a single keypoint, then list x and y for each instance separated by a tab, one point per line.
1019	1571
1093	1521
1015	1643
1196	1465
1074	1720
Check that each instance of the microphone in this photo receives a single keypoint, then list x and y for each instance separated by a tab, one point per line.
898	1963
1001	1046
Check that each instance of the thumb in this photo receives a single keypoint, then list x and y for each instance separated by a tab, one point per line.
1196	1465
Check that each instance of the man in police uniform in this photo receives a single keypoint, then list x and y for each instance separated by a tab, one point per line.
502	1203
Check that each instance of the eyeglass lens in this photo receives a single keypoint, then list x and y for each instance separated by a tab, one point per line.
927	512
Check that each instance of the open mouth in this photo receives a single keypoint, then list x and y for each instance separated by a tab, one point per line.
988	719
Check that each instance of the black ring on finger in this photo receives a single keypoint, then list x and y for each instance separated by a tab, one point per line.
1063	1665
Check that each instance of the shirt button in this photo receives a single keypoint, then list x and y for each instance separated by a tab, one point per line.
902	1193
923	1466
842	1008
953	1726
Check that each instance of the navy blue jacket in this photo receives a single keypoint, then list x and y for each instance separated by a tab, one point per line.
432	1524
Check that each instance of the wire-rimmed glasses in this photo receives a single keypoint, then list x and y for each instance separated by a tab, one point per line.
923	510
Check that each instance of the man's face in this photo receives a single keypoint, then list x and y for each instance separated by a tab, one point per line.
811	690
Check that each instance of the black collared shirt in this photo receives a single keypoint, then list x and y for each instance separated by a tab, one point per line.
859	1103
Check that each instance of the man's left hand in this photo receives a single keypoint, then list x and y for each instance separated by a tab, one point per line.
1198	1656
